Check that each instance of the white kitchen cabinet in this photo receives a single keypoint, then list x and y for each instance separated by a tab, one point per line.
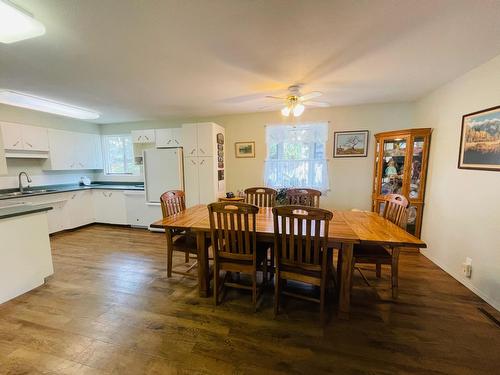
208	189
191	181
139	213
73	151
170	137
24	137
190	139
206	139
3	160
109	206
35	138
143	136
80	208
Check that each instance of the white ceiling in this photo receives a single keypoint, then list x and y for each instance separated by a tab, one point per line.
151	59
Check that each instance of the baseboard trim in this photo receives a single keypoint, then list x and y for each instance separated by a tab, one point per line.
472	288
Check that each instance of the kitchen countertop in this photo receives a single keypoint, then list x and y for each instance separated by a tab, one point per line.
54	189
22	210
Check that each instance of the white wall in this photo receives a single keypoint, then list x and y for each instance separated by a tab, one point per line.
350	178
34	166
462	212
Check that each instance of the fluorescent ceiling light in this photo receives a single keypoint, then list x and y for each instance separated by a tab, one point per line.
45	105
16	24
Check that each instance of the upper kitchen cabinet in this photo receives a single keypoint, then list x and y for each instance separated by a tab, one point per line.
143	136
24	141
3	161
73	151
200	139
170	137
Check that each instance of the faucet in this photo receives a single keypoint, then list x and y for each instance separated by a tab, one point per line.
28	178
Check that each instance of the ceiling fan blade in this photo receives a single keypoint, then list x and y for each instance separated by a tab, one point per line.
275	97
269	107
310	95
312	103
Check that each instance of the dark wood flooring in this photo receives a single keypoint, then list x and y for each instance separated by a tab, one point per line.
109	308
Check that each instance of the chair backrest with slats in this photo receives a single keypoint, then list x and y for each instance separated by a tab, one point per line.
233	230
300	234
261	196
303	197
396	209
172	202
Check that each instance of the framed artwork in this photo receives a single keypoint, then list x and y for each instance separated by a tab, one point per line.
350	144
480	140
245	149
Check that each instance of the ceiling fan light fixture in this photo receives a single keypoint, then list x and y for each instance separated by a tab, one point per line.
285	111
16	24
298	110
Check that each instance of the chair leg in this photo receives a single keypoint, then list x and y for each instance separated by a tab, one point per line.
378	270
216	284
395	272
254	290
277	291
186	257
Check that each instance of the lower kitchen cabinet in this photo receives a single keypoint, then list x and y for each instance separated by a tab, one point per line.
80	208
140	213
109	206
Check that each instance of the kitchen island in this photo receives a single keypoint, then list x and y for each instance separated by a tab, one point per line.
25	253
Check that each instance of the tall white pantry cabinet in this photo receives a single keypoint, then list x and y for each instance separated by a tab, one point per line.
204	162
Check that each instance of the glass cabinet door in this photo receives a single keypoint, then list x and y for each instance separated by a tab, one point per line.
393	166
416	167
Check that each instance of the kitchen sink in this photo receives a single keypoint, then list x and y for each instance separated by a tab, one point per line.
27	192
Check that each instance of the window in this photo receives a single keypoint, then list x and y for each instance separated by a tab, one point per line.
119	155
296	156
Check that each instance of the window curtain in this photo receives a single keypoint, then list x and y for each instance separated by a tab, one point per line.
308	167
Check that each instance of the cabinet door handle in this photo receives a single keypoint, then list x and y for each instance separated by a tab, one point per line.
202	150
17	142
139	138
81	164
169	141
110	194
192	161
202	161
74	196
192	151
176	141
29	144
147	137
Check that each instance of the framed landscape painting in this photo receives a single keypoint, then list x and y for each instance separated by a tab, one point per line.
480	140
245	149
350	144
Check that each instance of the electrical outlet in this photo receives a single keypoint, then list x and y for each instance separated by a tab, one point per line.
467	267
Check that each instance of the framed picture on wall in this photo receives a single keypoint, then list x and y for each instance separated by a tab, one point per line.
350	144
480	140
245	149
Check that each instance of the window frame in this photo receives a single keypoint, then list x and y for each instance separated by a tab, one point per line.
106	158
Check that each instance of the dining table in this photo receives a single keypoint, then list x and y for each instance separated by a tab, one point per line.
346	229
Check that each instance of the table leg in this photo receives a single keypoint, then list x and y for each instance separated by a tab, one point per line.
345	283
203	267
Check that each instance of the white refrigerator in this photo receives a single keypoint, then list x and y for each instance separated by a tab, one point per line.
163	170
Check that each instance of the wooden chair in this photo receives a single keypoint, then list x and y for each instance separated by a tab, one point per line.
303	197
261	196
172	203
235	246
301	254
395	210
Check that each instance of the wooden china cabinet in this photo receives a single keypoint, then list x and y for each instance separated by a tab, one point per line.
401	168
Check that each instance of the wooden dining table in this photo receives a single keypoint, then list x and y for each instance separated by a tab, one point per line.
346	229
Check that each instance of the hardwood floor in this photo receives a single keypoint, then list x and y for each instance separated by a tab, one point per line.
110	309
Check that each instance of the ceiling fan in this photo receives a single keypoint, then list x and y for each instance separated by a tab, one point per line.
295	102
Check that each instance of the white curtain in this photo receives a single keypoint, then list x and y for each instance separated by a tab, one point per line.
307	166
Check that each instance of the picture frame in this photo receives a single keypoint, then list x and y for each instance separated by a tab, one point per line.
480	140
350	144
244	149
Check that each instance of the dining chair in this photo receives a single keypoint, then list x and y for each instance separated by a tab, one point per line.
301	253
303	197
261	196
235	246
396	211
172	203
